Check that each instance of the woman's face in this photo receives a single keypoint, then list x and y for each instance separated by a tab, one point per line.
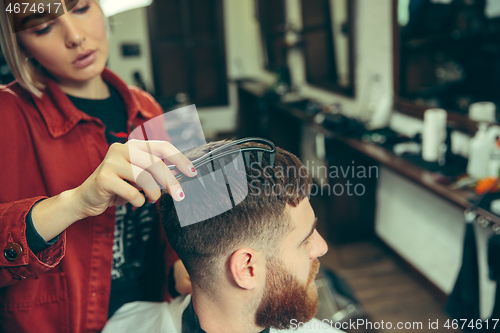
72	47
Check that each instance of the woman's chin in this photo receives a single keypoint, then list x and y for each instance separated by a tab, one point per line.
89	72
81	76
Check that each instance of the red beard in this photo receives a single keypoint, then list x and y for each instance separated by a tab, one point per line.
285	298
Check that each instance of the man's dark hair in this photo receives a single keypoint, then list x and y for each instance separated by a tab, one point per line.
259	221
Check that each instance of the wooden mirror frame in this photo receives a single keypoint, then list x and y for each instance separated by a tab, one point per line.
405	106
279	38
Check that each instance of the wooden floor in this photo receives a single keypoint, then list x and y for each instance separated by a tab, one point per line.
385	289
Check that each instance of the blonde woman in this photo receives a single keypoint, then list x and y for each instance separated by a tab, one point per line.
78	237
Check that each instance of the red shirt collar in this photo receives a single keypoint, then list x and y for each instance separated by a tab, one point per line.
61	116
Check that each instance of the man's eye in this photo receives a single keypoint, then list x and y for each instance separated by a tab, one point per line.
306	241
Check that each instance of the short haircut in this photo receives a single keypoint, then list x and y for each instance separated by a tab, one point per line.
259	221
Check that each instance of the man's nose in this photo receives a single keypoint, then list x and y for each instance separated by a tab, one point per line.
320	246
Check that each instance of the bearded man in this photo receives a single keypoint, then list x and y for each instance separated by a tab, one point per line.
252	267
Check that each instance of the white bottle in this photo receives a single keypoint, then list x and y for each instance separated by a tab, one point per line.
480	149
494	164
433	134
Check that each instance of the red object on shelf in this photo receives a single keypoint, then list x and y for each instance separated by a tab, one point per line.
485	185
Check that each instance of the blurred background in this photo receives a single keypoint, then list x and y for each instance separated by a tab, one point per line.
391	104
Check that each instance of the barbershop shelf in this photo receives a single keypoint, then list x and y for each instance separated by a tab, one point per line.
382	155
421	176
425	178
256	88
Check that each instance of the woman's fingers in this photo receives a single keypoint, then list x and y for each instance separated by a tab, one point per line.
143	170
155	165
142	162
146	179
126	191
165	150
172	184
143	180
118	180
111	180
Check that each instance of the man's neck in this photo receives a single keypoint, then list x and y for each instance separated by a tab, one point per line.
225	313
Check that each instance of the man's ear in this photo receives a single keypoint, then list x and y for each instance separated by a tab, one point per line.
246	267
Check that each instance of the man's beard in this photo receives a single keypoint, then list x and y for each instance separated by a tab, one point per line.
285	298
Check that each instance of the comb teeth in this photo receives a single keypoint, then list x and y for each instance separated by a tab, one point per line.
200	178
211	170
246	156
223	169
272	157
235	161
259	157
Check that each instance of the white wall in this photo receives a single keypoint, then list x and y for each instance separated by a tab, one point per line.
243	42
428	232
131	27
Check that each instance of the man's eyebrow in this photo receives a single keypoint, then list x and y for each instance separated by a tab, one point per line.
312	230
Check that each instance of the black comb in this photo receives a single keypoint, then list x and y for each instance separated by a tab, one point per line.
233	148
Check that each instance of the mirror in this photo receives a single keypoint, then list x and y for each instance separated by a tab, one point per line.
326	40
447	55
327	35
272	19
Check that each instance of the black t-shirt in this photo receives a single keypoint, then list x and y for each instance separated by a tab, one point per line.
111	111
133	225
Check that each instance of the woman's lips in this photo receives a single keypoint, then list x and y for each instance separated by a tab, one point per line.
86	59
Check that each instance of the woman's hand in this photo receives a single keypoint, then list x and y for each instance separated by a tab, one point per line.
125	170
128	168
181	277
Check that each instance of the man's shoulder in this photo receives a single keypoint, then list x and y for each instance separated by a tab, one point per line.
313	326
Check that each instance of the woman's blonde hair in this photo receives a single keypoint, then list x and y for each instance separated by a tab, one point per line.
28	75
27	72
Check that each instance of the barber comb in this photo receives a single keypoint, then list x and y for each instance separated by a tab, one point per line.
228	153
221	182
